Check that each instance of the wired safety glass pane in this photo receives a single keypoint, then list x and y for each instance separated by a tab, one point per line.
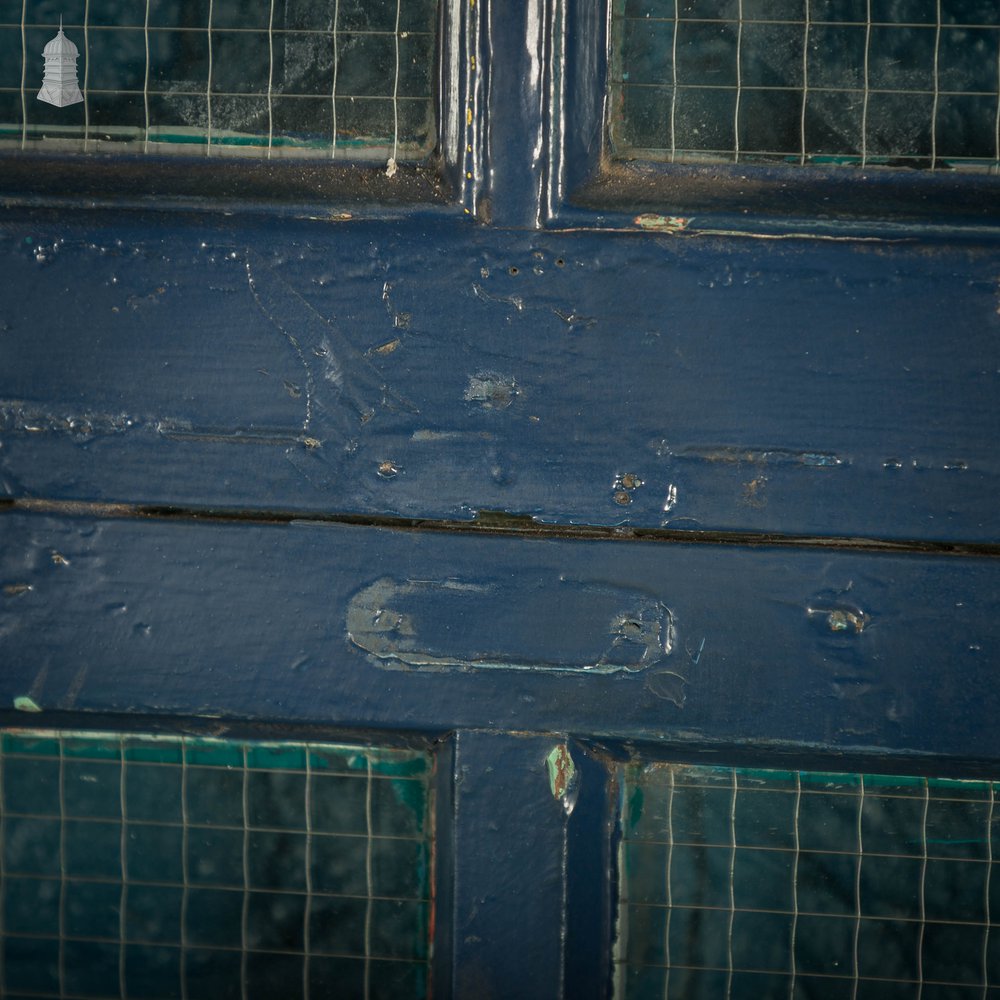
187	867
257	78
905	83
740	883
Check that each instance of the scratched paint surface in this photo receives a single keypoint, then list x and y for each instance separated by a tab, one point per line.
768	646
424	368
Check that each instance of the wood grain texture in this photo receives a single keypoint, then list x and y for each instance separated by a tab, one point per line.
365	627
430	368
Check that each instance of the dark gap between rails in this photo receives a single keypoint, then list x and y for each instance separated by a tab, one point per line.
494	522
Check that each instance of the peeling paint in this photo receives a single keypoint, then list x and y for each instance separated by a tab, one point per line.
564	779
17	417
493	391
400	320
736	455
923	465
840	618
753	492
426	435
622	487
662	223
181	430
832	612
20	417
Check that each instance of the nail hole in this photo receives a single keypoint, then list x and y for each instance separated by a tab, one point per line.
512	270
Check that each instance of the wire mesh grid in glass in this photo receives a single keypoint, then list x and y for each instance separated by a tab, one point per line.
739	883
161	867
905	83
264	78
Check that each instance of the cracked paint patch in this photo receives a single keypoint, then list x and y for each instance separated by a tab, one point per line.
662	223
841	618
492	391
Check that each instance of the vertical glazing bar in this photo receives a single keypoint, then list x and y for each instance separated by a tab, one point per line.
472	173
923	876
739	84
245	915
270	80
145	87
62	868
391	169
937	86
855	965
864	105
3	873
307	913
369	880
333	91
802	120
669	886
732	887
123	864
185	870
795	880
673	92
997	167
208	85
519	950
24	75
986	893
86	74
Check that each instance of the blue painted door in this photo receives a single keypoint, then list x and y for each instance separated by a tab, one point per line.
550	465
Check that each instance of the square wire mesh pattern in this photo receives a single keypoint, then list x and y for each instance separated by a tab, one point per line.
755	884
259	78
182	867
835	82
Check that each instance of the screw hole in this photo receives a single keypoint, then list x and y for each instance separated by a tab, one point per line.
560	262
512	270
